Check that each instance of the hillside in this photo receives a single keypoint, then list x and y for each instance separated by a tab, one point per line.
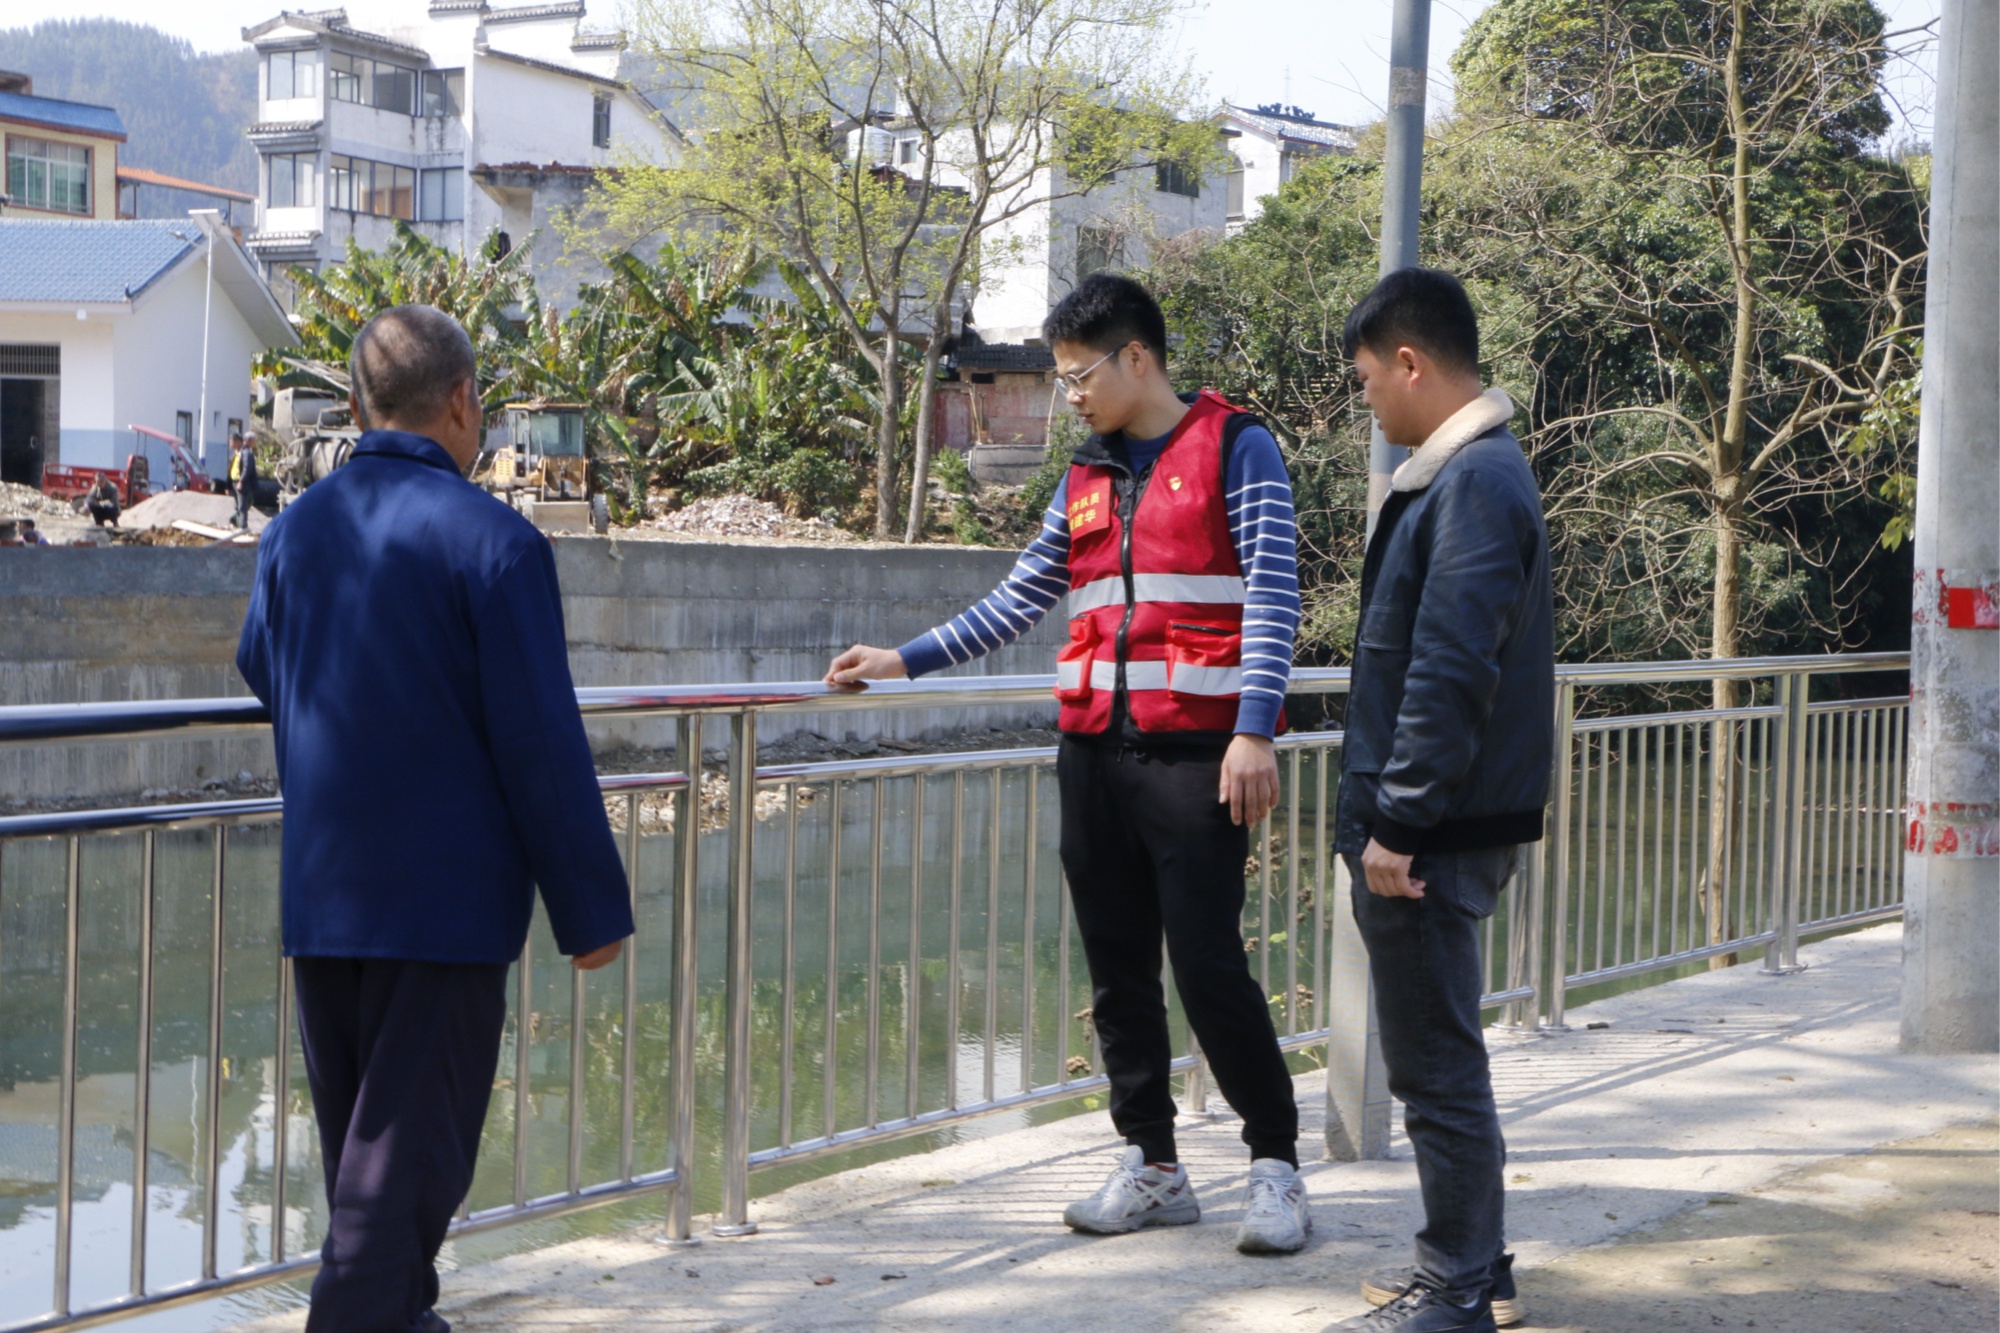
185	112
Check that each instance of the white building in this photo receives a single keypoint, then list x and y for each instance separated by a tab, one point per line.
1033	260
458	117
101	330
1268	144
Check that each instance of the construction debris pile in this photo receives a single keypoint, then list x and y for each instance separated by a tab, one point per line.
740	518
164	509
18	501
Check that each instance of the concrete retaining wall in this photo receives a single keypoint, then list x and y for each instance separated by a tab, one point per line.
137	623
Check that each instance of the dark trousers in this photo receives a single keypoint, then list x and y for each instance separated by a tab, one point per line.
1423	955
400	1056
243	505
1149	853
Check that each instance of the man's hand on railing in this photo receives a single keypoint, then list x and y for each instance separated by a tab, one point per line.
853	669
596	958
1249	784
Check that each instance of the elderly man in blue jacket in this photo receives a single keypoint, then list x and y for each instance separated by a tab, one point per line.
406	633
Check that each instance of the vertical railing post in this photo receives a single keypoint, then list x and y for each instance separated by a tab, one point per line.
1357	1082
734	1219
211	1113
1194	1093
142	1083
684	985
1781	955
1524	940
66	1093
1558	877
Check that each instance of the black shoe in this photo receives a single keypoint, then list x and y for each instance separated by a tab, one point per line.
1386	1284
430	1321
1421	1310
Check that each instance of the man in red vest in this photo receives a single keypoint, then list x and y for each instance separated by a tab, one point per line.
1173	543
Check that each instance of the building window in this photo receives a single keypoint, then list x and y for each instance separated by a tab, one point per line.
292	180
441	92
184	428
44	174
1175	178
1097	249
1234	184
441	195
373	83
356	185
906	151
289	74
600	120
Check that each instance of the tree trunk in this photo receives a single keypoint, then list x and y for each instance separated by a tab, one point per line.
888	434
920	467
1722	745
1729	486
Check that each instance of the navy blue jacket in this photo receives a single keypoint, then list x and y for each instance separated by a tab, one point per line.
406	633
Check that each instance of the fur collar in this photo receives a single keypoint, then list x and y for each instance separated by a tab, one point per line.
1487	412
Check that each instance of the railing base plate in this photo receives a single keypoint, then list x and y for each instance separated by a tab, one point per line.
731	1230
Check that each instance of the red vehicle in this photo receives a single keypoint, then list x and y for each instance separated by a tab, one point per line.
135	480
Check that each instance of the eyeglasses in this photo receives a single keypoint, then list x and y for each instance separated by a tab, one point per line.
1074	383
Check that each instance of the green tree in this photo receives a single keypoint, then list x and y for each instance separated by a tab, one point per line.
478	290
791	102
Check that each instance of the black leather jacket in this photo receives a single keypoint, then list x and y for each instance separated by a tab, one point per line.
1450	721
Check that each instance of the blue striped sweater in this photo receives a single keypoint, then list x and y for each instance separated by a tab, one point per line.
1261	525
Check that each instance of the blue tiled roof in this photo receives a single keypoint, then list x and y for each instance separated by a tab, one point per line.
88	262
77	116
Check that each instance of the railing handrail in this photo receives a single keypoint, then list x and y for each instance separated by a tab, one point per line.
45	724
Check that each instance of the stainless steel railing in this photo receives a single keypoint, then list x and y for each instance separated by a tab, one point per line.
829	955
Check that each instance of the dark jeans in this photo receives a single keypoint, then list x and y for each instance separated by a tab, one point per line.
1149	853
242	519
400	1056
1423	954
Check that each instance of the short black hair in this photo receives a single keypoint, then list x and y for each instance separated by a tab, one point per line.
1106	311
406	362
1425	308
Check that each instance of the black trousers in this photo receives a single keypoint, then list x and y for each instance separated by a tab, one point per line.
1150	853
400	1056
1423	956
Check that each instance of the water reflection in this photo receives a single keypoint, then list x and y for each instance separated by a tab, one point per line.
904	940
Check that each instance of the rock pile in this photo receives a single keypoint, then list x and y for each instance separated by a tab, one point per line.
161	510
18	501
744	518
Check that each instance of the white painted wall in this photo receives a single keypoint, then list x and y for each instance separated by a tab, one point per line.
1029	264
157	360
84	399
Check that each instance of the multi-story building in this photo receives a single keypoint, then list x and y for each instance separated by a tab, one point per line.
1268	144
458	117
62	157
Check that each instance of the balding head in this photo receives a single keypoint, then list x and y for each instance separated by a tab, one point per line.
406	364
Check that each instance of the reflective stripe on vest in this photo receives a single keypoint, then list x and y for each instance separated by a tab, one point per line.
1184	679
1204	589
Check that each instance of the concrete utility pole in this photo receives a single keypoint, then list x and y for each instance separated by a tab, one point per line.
1358	1106
1402	188
1951	868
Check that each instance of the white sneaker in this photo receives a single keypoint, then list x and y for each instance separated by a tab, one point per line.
1136	1195
1275	1220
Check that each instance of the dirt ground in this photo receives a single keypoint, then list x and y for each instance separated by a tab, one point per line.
1903	1239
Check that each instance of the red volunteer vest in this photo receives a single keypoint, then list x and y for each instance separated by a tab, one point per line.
1177	629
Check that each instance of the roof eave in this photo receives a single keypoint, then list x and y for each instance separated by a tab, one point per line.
115	136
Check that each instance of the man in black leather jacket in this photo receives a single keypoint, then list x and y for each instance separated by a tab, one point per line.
1445	768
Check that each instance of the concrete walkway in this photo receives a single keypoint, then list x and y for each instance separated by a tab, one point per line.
1654	1109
